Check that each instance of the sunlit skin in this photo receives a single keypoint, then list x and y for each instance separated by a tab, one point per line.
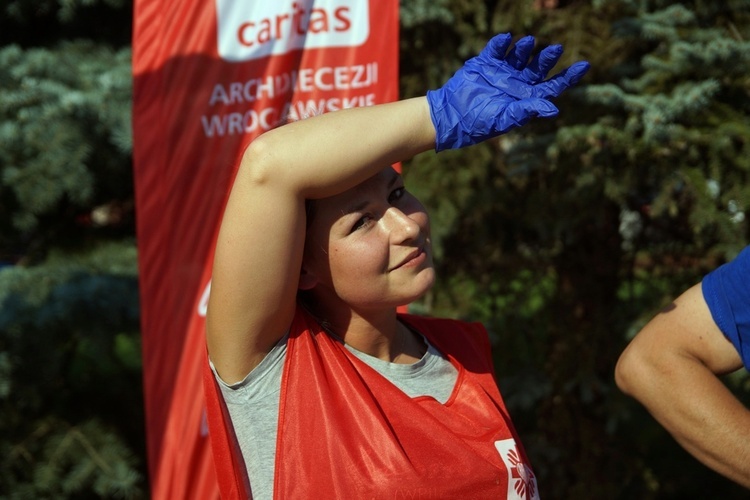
367	251
260	250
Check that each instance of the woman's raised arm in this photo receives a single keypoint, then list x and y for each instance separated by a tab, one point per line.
261	239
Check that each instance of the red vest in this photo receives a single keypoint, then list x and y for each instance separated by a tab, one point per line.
347	432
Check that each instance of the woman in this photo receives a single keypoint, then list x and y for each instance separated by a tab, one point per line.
330	392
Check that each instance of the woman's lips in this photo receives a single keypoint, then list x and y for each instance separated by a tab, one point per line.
416	258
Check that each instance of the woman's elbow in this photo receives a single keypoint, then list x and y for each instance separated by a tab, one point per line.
640	369
256	163
626	371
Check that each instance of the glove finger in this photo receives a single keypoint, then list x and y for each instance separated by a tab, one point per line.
497	47
562	81
519	55
538	68
519	112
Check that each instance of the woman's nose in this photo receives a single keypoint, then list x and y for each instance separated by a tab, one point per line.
401	226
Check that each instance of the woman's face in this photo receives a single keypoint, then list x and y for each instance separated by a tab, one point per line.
369	247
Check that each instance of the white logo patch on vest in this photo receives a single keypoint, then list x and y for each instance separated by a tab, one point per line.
521	479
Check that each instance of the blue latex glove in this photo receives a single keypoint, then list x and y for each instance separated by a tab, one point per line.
497	91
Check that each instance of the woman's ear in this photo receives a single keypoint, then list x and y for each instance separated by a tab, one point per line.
307	280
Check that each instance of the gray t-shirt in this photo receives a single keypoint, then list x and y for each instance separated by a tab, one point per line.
253	403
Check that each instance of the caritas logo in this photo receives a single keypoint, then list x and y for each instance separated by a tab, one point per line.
254	29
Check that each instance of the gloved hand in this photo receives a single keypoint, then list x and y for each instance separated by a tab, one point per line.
494	92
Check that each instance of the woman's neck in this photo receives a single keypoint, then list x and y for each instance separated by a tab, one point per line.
380	335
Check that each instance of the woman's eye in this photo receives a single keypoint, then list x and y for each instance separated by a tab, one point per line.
362	222
396	194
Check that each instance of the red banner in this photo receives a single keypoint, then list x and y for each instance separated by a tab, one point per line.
208	78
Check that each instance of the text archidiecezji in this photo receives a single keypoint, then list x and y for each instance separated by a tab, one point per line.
354	81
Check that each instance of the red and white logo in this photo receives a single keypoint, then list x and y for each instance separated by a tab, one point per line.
521	479
254	29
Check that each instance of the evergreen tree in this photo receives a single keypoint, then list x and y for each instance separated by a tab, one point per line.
71	418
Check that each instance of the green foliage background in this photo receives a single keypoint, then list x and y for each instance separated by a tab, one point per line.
563	237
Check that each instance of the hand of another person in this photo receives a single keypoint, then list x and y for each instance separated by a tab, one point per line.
497	91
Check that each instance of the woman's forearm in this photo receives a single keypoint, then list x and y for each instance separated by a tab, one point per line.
327	154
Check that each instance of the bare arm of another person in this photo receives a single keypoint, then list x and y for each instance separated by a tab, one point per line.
673	366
